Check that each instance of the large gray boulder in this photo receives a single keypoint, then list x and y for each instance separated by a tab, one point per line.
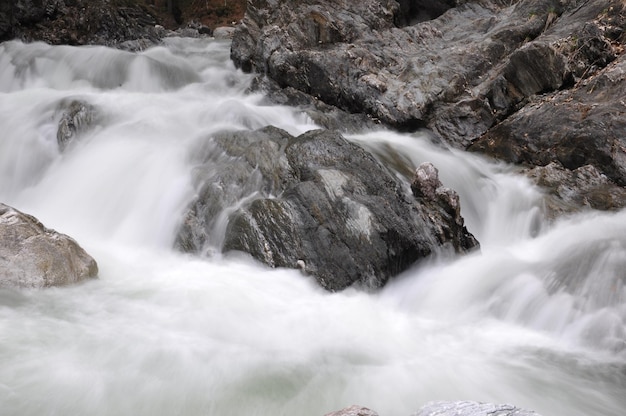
319	203
32	256
353	411
581	126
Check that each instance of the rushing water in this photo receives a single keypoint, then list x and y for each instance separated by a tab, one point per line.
536	319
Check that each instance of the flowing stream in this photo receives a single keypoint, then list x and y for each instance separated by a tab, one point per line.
537	318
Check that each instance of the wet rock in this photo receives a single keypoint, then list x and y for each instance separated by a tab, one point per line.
353	411
581	126
318	203
458	68
32	256
356	57
467	408
78	22
76	118
570	191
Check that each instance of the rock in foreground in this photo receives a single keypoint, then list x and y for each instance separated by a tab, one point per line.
319	203
461	408
466	408
32	256
354	411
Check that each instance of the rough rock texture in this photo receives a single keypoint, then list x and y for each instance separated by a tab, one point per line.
574	190
582	126
467	408
527	81
353	411
76	117
78	22
355	55
325	205
32	256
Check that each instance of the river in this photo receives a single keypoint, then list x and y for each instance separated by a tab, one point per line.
537	318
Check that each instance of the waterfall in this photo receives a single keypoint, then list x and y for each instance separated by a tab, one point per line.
537	318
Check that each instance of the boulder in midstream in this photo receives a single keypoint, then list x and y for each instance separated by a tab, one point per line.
319	203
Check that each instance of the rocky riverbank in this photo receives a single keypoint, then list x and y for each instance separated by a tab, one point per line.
536	83
127	24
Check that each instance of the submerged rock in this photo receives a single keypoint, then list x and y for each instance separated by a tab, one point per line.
32	256
76	117
319	203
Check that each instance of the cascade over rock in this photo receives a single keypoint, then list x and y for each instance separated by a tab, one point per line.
326	206
32	256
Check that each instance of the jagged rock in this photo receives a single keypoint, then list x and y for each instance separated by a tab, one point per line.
355	55
224	32
572	190
325	205
78	22
353	411
77	117
457	67
32	256
467	408
581	126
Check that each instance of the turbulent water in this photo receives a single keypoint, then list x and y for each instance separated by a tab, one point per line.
537	318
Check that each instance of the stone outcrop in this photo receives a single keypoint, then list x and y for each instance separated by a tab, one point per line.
585	125
78	22
526	81
325	206
32	256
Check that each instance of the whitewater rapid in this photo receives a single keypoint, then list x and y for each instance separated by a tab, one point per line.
537	318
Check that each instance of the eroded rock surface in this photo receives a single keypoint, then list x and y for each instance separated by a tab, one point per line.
32	256
79	22
325	205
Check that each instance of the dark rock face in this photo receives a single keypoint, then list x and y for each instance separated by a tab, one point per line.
32	256
581	126
526	81
325	206
77	22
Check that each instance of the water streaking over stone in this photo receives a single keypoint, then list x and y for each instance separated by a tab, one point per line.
535	319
